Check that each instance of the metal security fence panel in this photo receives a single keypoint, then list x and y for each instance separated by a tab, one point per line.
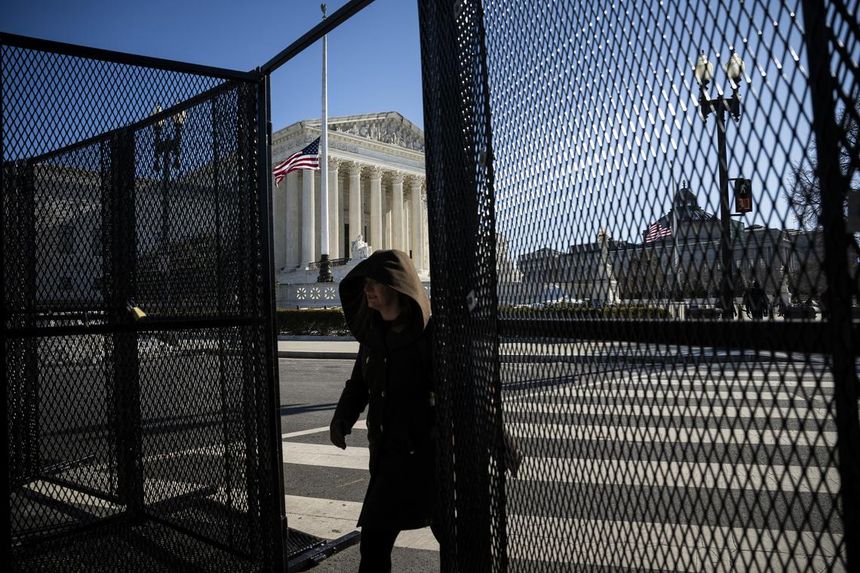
471	520
644	245
137	309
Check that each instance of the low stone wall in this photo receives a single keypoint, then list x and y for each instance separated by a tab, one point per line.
312	295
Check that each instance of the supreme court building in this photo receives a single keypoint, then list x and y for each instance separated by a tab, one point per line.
376	194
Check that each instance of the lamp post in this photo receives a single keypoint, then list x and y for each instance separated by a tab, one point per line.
720	105
166	148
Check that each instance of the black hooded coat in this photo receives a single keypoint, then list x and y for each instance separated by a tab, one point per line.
393	377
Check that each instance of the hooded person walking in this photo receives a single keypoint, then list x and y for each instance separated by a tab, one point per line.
388	312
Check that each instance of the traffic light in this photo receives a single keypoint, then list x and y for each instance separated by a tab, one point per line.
743	196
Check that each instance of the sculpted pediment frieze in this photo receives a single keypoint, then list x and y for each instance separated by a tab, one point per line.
393	131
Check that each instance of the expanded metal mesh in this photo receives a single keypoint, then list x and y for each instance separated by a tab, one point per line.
137	331
636	372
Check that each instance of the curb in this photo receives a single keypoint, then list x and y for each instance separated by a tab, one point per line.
324	355
313	338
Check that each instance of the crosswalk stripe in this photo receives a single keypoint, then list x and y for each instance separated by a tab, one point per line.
359	425
355	458
657	473
73	496
673	389
699	410
667	546
154	490
330	518
670	380
698	435
618	394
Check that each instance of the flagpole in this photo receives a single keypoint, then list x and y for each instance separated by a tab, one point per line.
325	275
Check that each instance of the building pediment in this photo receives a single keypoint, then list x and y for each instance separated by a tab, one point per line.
388	128
391	128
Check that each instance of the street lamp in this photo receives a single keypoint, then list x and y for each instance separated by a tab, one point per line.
166	148
704	73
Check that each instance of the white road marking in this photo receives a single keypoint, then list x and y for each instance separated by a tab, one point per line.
648	473
662	411
668	546
697	435
657	473
74	497
705	383
659	395
325	455
359	425
668	384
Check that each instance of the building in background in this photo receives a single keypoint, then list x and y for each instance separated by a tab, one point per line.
678	258
376	194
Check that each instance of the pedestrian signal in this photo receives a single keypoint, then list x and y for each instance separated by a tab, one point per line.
743	195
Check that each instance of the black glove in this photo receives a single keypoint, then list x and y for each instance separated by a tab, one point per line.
513	456
338	432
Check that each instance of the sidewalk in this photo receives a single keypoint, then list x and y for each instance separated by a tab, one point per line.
317	347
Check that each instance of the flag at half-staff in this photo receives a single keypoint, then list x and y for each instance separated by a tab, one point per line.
307	158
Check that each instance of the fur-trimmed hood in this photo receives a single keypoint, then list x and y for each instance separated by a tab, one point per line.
392	268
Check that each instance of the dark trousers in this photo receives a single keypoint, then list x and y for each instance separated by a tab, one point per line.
376	546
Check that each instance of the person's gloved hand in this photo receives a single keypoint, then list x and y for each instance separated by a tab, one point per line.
513	456
337	433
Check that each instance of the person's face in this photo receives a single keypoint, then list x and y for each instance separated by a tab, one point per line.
380	297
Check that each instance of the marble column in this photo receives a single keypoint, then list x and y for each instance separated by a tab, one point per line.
397	238
425	231
279	222
333	210
343	215
293	226
417	223
386	217
376	220
354	203
308	218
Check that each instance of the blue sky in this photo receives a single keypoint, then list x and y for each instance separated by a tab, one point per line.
603	97
374	58
596	117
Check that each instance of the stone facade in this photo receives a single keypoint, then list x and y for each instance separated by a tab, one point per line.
376	194
685	265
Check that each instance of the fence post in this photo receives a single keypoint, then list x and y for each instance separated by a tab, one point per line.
270	393
19	198
120	244
834	187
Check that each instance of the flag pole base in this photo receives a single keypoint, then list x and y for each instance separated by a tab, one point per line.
325	275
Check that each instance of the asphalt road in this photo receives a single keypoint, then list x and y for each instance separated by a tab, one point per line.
714	464
686	464
691	462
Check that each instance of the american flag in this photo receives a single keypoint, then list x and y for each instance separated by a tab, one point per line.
657	231
307	158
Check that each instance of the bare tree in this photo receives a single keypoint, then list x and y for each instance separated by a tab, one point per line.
804	197
804	189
